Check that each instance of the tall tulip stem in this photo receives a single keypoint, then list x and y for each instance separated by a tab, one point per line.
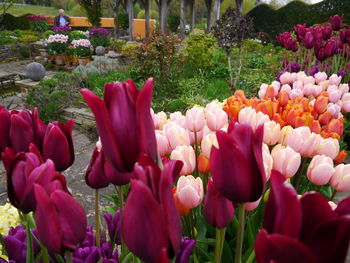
240	234
68	257
97	219
121	209
196	152
219	244
192	224
30	253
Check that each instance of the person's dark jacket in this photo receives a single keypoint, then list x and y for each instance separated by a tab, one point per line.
57	20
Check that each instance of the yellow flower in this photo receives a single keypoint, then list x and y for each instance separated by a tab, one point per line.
8	217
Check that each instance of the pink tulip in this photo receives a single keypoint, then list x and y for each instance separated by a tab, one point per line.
207	143
320	170
206	131
334	95
178	118
340	180
176	135
334	80
285	160
320	76
272	132
215	116
298	85
286	88
276	86
286	78
301	75
195	119
316	90
296	93
189	191
308	80
185	154
308	89
192	137
249	116
346	102
262	90
328	147
344	88
268	161
304	141
334	109
284	134
163	145
159	119
252	205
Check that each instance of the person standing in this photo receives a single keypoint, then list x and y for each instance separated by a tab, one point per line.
62	19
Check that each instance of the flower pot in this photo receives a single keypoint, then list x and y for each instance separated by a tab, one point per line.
59	60
83	61
106	50
75	60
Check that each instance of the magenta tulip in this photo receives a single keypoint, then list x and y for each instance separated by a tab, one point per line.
124	123
150	209
308	40
95	175
218	211
331	47
300	30
345	35
23	171
60	220
336	21
237	165
326	32
5	120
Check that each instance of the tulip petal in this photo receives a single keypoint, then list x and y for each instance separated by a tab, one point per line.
4	129
95	174
21	133
14	248
283	211
343	207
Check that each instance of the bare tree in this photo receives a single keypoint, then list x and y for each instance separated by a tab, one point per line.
182	18
192	14
5	5
146	6
217	5
209	5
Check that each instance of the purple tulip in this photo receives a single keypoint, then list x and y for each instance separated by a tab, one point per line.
124	123
321	54
341	73
186	248
86	255
293	67
218	211
300	30
95	175
23	170
302	230
308	40
150	209
113	225
326	32
237	166
291	44
314	70
345	35
60	220
331	47
283	37
336	21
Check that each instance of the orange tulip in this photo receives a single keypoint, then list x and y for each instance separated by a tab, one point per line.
180	208
283	98
239	94
232	107
341	157
270	92
315	127
321	104
336	125
325	118
305	119
266	107
203	164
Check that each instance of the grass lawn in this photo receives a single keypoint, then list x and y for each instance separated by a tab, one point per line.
19	10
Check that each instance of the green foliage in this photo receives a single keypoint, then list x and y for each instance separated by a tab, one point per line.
7	38
80	51
48	33
173	23
39	25
252	45
152	13
28	37
76	35
93	11
117	44
199	49
56	48
11	22
103	41
256	61
123	21
24	51
273	22
77	10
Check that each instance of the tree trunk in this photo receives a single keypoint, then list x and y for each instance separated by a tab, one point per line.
239	5
230	71
164	7
217	5
131	19
116	13
192	14
182	18
208	4
147	17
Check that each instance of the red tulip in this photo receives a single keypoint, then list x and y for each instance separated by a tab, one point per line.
336	21
60	220
124	123
308	40
23	171
150	209
237	165
331	47
4	129
95	175
300	30
302	230
218	211
326	32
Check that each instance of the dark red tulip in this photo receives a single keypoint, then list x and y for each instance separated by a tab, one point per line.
283	37
237	166
302	230
336	21
331	47
124	123
300	30
95	175
321	54
326	32
60	220
23	171
218	211
308	40
4	129
58	144
150	209
345	35
291	44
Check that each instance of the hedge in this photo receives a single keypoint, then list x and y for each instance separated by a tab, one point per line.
271	21
11	22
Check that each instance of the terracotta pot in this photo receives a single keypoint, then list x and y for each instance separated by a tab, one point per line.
106	50
75	60
83	61
59	60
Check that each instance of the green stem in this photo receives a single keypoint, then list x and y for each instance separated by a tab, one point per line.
68	257
121	207
219	244
45	253
192	224
30	252
240	234
196	152
97	220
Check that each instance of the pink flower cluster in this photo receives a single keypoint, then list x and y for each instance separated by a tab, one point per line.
36	17
58	38
81	43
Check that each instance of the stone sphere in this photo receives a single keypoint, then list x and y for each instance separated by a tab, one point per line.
35	71
100	51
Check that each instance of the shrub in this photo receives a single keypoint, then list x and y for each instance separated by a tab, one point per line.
28	38
77	34
123	21
48	33
152	13
252	45
256	61
117	44
173	23
93	10
38	23
24	51
82	47
7	38
57	44
11	22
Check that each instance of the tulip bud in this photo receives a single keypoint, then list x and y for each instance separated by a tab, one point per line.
203	164
283	98
340	180
321	104
329	147
320	170
285	160
162	143
207	143
95	174
185	154
215	116
272	131
195	119
189	191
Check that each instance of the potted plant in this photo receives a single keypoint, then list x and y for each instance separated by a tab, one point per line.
100	37
57	45
38	24
82	49
117	45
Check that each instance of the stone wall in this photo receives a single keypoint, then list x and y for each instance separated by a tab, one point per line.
17	51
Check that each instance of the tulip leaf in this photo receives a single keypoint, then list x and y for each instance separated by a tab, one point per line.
204	253
59	258
129	258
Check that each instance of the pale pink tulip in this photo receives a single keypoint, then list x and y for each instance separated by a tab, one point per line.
206	144
185	154
340	180
308	80
285	160
346	102
178	118
308	89
296	93
195	119
276	86
334	80
262	90
293	77
301	75
252	205
344	88
316	90
192	136
320	77
163	145
272	132
324	84
334	95
215	116
320	170
206	131
176	135
268	161
334	109
249	116
189	191
284	134
286	88
304	141
298	85
161	119
286	78
328	147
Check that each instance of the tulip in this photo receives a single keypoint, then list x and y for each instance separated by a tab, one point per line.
186	248
283	98
304	141
185	154
163	145
285	160
326	32
207	143
189	191
334	80
113	226
341	178
286	78
272	91
272	132
293	66
217	210
328	147
334	95
237	165
179	206
344	88
215	116
252	205
5	120
334	109
284	134
320	170
249	116
124	123
300	30
195	119
315	127
344	35
336	21
336	125
95	173
331	48
291	44
268	161
296	93
320	77
151	198
262	90
161	118
178	118
60	220
325	118
203	164
321	104
308	40
176	135
341	157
